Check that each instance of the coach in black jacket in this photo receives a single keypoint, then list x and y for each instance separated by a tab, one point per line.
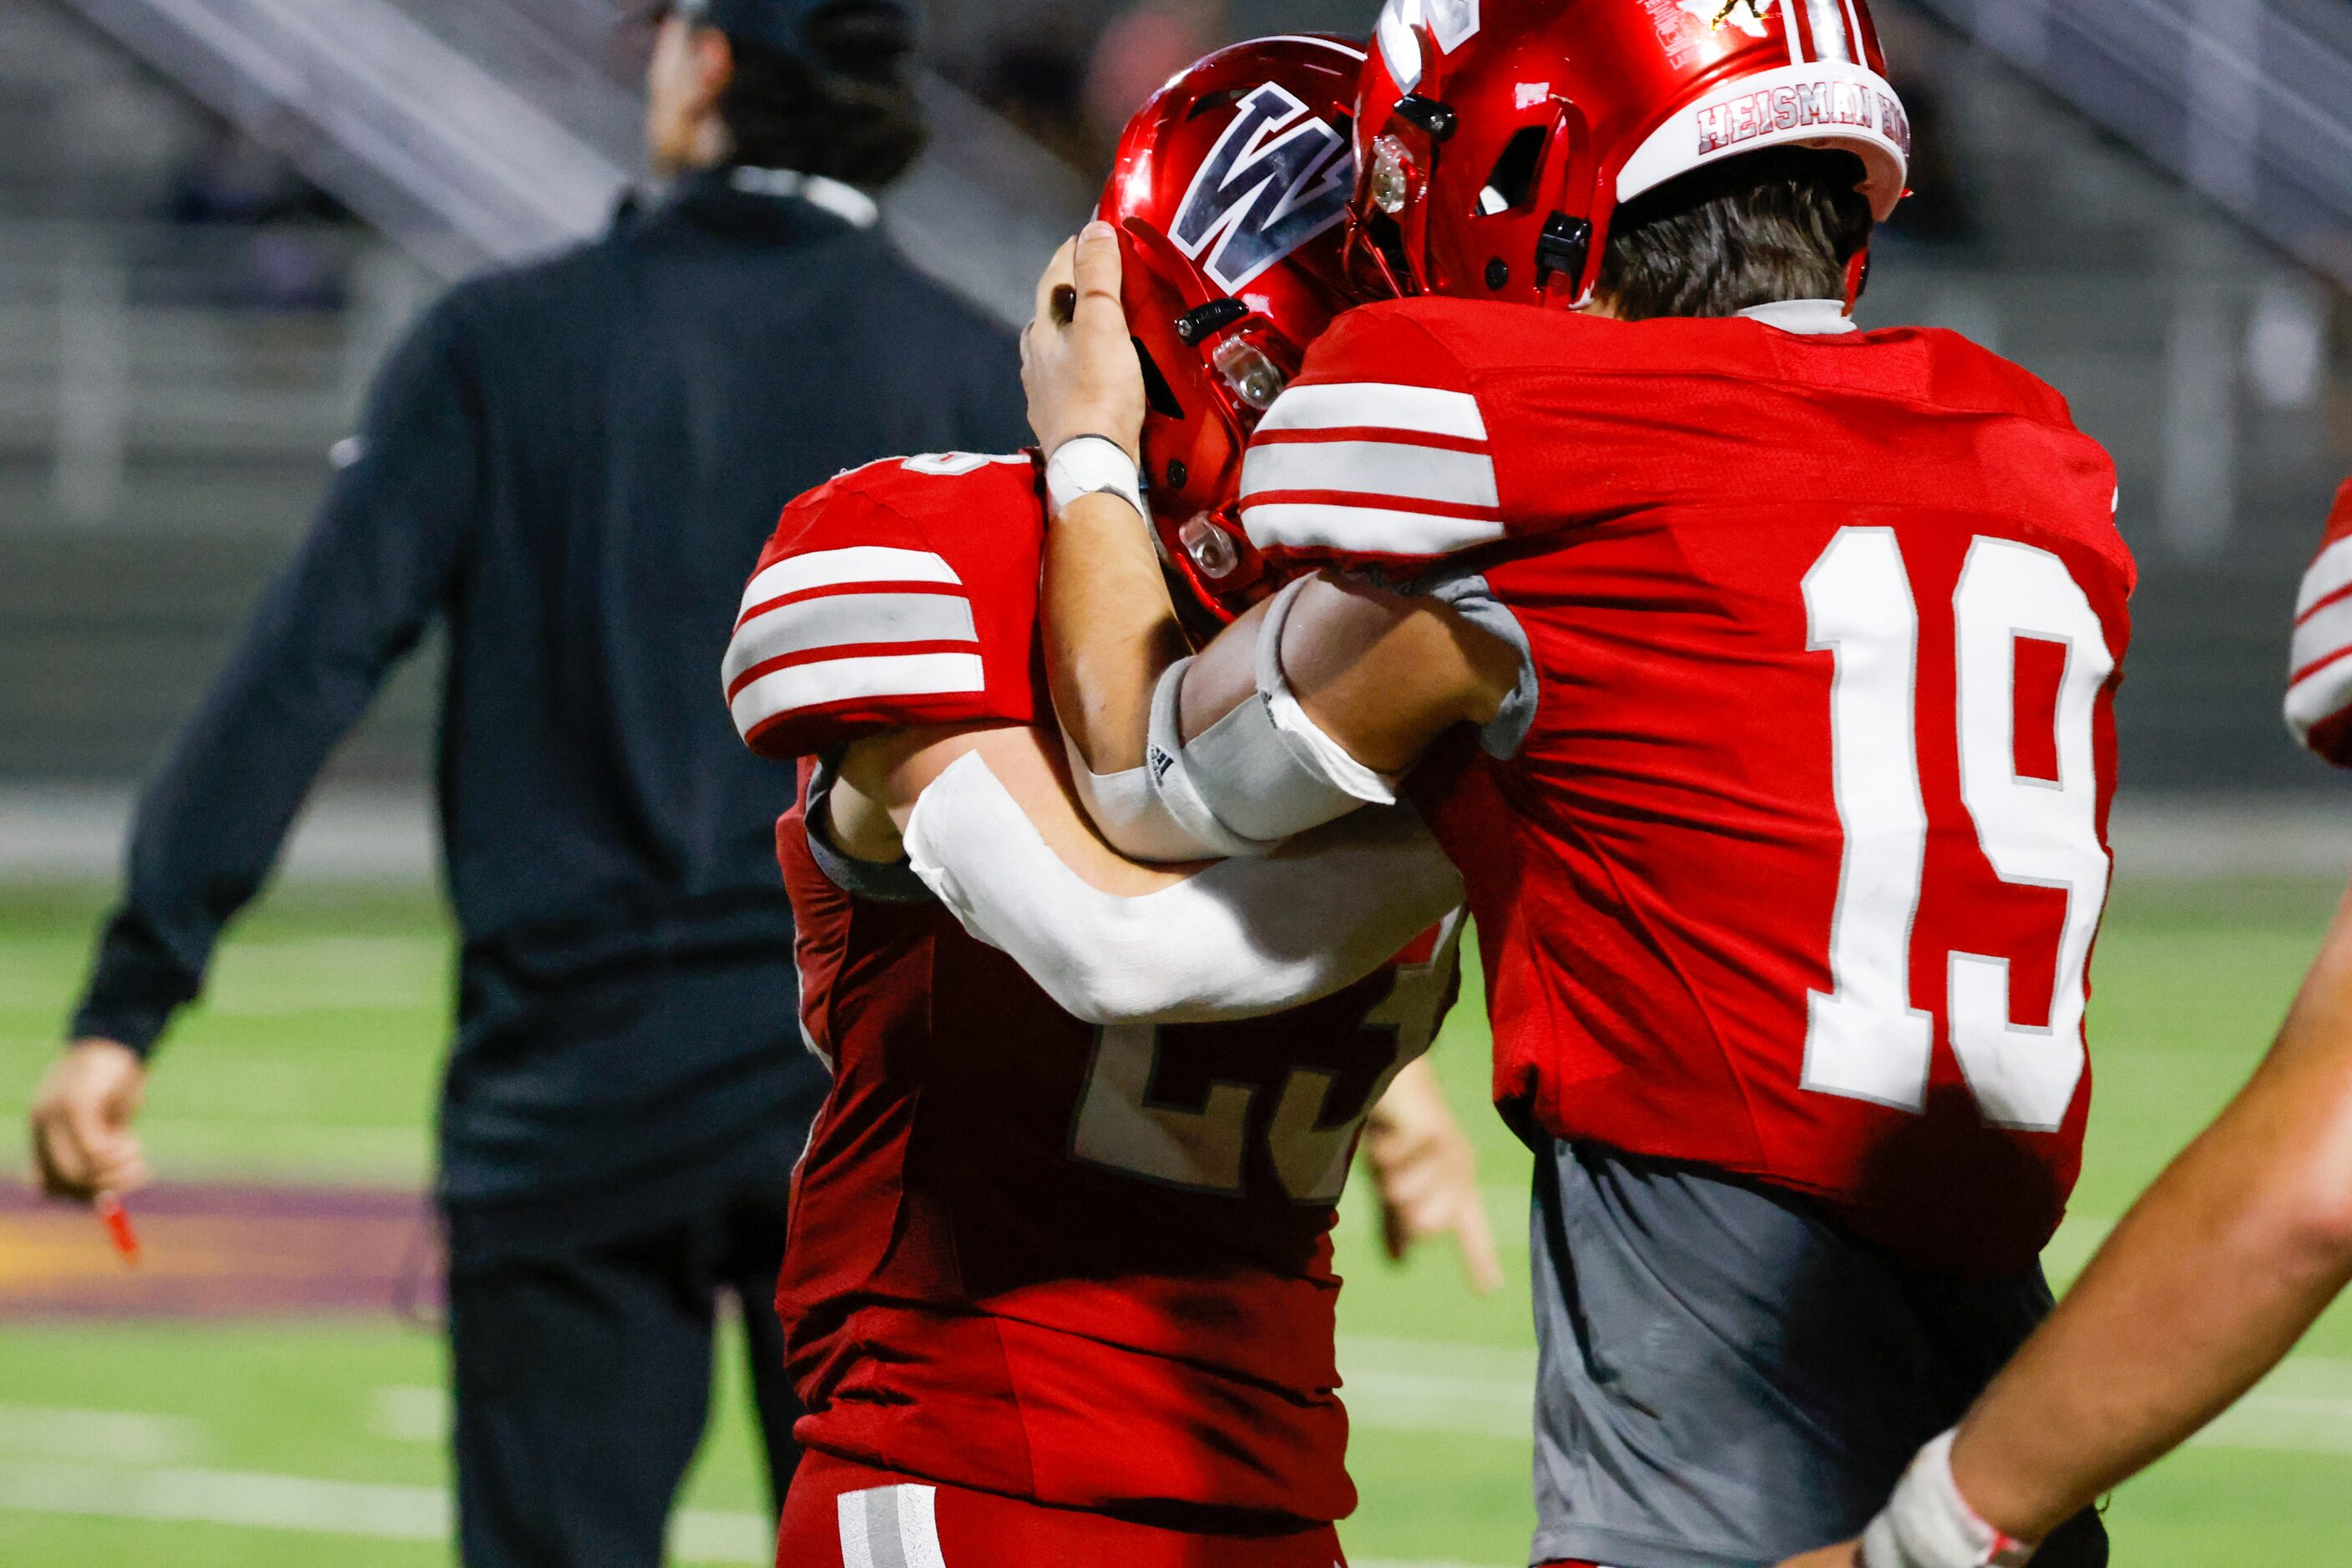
574	465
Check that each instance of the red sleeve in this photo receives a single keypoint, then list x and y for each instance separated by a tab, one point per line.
2319	675
901	593
1376	455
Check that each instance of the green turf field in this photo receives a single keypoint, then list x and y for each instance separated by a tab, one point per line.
315	1058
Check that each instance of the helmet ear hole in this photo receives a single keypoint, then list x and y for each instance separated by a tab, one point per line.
1512	183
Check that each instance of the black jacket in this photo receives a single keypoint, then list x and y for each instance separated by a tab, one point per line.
574	464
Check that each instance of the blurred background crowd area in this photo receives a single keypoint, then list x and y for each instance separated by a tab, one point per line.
216	215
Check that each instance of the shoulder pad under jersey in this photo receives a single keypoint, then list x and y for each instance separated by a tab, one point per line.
900	594
1376	454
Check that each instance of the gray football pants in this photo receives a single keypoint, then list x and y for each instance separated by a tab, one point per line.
1726	1378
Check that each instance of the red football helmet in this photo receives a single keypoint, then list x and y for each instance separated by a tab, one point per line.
1230	193
1495	138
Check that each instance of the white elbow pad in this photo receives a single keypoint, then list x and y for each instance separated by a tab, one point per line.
1265	772
1262	775
1135	819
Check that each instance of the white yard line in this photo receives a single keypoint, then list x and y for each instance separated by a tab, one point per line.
1478	1390
2305	1407
1432	1386
410	1414
1397	1384
367	1509
108	1435
1401	1402
372	1509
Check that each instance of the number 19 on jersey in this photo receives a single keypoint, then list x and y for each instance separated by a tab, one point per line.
1863	1038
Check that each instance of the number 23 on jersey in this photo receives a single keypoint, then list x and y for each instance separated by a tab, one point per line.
1124	1124
1865	1039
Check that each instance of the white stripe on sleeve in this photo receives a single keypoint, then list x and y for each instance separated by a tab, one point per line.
1371	468
2330	573
832	568
2317	696
843	620
2322	635
1386	405
1364	530
799	686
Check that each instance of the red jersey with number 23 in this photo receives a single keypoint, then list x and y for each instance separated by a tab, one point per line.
1086	1265
1795	870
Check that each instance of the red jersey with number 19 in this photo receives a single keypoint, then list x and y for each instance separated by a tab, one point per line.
1089	1267
1793	868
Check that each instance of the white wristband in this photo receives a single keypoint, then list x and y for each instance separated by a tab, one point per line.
1092	465
1928	1524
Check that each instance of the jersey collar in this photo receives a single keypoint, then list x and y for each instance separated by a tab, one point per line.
848	203
1806	318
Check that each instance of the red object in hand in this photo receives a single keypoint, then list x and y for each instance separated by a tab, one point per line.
117	1220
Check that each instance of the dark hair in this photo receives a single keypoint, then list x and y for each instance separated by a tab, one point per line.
1781	224
847	112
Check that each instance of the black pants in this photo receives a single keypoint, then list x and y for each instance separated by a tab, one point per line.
582	1380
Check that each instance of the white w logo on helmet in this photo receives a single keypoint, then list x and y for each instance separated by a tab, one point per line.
1274	180
1450	22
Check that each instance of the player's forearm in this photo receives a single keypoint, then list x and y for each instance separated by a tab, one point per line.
1109	629
2204	1288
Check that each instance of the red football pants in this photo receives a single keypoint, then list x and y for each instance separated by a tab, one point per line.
843	1515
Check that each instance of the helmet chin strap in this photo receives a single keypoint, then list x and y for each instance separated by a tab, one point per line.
1857	278
1562	252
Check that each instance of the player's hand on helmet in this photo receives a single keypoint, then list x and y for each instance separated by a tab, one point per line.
1427	1172
81	1116
1847	1554
1077	360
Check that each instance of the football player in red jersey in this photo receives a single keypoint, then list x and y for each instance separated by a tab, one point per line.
1058	1283
1790	652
